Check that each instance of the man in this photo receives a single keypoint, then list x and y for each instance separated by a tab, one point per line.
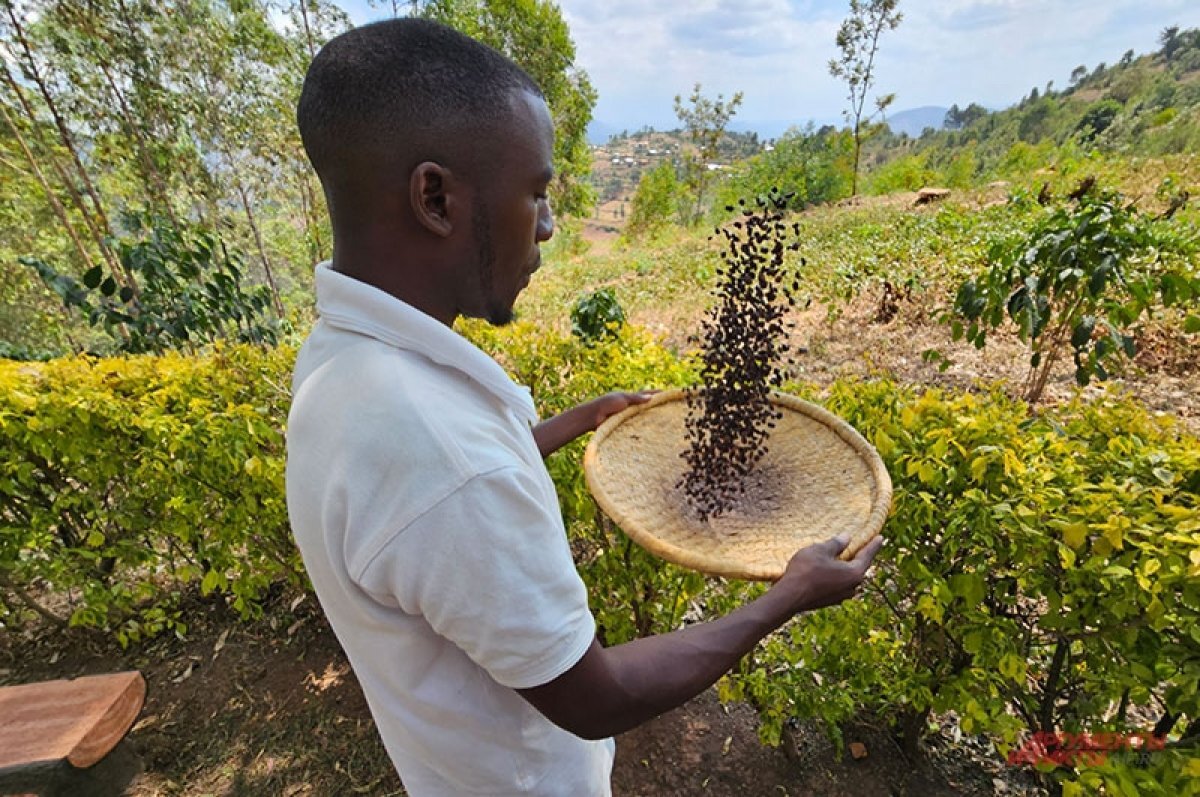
416	490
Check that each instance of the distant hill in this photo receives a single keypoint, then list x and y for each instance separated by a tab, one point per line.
915	120
598	132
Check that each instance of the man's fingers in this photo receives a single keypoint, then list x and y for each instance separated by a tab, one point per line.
866	554
836	545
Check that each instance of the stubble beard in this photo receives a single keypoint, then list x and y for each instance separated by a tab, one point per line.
495	311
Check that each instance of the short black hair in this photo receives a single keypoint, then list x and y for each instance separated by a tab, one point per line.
401	88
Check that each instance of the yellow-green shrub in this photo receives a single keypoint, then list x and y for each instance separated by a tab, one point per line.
1040	574
123	480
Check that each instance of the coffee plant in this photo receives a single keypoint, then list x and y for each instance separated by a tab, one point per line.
179	286
597	315
745	345
1042	572
1078	281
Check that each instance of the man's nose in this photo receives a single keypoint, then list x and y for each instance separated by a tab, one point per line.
545	223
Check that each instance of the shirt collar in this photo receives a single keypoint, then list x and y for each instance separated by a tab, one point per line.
355	306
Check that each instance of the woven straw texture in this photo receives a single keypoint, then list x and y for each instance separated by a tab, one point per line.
818	478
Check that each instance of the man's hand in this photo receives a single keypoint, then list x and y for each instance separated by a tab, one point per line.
815	577
556	432
610	404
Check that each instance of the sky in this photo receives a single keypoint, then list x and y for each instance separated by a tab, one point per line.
639	54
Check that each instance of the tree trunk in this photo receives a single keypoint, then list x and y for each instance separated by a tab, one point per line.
104	226
262	251
84	212
857	151
154	181
912	731
312	53
41	178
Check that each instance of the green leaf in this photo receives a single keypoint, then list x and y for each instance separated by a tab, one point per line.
969	587
1191	324
1012	667
1082	334
92	277
209	582
1074	534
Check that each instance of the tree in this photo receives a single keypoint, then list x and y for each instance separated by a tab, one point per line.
1037	122
1077	75
810	167
858	39
534	34
1097	118
1079	281
959	119
1170	41
655	202
953	118
704	122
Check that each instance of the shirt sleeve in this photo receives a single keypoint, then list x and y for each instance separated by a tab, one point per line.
490	569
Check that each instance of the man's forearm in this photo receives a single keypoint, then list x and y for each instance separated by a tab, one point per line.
639	680
554	433
661	672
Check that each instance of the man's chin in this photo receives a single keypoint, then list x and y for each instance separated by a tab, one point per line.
500	316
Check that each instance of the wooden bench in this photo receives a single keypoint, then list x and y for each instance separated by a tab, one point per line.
64	738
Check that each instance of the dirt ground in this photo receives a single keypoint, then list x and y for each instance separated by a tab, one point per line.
272	708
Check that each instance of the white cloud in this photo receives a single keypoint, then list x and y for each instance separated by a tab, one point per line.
640	54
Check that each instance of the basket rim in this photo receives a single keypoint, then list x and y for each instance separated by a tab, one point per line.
727	566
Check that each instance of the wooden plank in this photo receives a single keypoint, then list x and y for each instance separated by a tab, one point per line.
77	720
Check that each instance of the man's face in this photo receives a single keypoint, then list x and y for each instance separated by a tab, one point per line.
511	215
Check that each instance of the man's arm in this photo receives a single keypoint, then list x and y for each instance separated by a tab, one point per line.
556	432
611	690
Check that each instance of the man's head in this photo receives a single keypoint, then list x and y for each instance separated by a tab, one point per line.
434	153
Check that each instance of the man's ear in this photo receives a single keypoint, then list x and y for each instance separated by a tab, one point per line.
429	188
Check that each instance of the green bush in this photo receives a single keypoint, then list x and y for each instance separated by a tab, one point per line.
1042	571
1085	273
596	315
178	286
1097	118
658	201
124	481
809	167
907	173
1040	574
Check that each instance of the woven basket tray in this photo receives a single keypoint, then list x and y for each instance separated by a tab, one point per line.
818	478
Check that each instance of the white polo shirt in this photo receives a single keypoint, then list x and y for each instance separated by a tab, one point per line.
432	534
